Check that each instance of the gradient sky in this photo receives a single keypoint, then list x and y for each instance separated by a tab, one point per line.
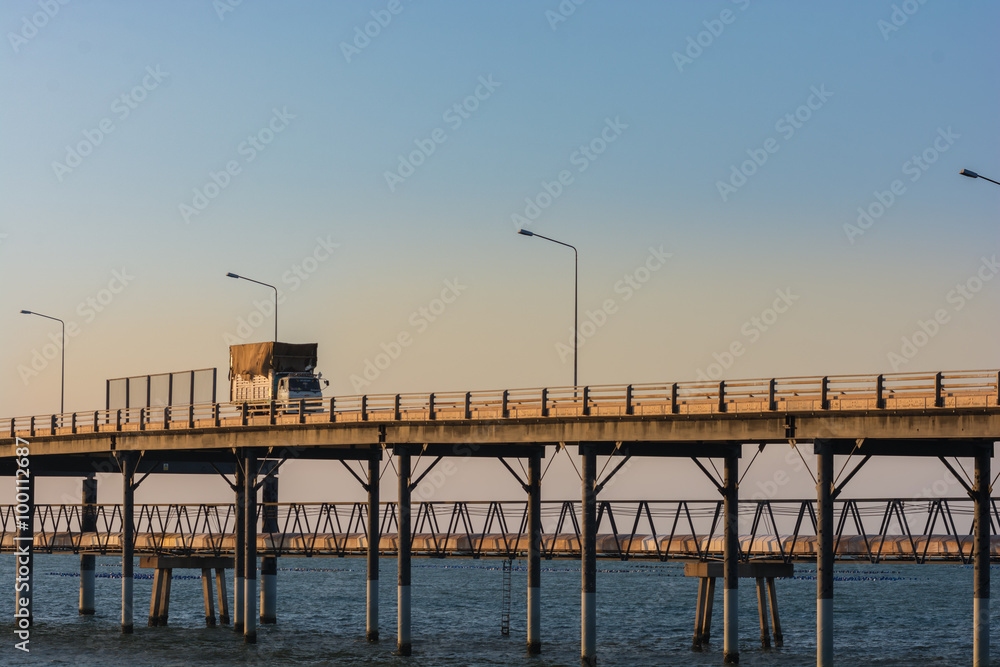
694	90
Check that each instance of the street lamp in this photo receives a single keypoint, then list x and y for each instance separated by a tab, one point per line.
576	285
972	174
62	383
233	275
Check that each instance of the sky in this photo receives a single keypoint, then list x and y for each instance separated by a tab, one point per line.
373	160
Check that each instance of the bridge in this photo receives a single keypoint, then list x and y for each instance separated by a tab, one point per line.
945	415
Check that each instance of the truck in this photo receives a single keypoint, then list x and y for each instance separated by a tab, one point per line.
263	372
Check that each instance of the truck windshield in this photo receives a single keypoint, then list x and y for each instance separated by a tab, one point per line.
303	385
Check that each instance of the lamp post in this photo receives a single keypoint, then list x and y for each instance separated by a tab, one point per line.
972	174
62	382
981	542
576	285
233	275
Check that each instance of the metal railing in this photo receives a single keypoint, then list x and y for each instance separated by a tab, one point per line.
899	391
873	530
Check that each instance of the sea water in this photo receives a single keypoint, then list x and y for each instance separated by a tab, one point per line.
887	614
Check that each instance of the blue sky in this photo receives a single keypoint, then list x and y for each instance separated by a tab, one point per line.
692	90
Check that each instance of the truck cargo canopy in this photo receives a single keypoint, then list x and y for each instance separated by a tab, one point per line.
261	358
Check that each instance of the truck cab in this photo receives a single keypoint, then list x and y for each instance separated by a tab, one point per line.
294	386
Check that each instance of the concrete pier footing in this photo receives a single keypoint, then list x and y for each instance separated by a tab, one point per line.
222	597
206	592
763	572
163	567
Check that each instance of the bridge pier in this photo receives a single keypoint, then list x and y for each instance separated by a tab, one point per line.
731	558
534	552
220	584
159	601
763	572
404	642
371	630
240	546
250	546
588	559
128	462
88	523
981	557
824	559
269	564
206	592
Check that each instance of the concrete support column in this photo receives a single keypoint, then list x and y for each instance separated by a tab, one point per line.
731	559
220	584
269	564
534	552
981	558
404	642
371	631
588	543
88	524
824	559
250	558
206	590
128	463
24	584
240	529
